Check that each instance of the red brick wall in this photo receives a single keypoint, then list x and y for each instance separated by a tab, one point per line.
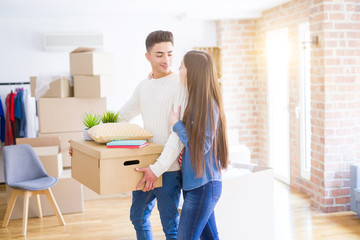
289	16
240	79
336	100
335	91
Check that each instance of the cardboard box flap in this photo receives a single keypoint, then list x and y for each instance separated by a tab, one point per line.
100	151
57	86
47	150
83	49
40	141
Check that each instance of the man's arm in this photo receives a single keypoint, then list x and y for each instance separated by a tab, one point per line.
171	151
169	154
131	108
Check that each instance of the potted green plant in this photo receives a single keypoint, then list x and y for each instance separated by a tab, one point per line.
110	117
90	119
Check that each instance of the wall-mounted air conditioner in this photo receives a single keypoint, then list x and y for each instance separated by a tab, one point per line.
65	42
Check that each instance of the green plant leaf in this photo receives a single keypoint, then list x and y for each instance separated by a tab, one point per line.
110	117
90	119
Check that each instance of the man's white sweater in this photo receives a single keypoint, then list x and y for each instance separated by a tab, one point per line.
154	99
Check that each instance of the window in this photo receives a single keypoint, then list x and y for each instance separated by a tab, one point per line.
304	109
277	51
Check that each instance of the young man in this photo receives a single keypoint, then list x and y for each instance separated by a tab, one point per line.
154	99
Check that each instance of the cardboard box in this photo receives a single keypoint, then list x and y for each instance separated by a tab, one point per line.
40	141
64	144
47	149
90	194
68	194
66	114
86	61
32	86
51	159
111	170
249	197
59	88
92	86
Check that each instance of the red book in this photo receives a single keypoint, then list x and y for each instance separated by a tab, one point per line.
127	146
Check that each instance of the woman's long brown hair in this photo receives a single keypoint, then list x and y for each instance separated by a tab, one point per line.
204	92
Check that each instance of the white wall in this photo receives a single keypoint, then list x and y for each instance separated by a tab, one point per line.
22	53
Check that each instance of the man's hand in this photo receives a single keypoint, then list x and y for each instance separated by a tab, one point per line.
149	179
70	149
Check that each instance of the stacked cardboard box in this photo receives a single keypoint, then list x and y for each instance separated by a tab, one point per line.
63	117
61	108
92	73
60	119
59	88
64	143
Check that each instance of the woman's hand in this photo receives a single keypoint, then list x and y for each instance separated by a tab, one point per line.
174	116
150	76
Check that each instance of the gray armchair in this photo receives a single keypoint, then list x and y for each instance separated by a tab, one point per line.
355	188
25	175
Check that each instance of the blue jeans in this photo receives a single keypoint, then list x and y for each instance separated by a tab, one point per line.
168	197
197	218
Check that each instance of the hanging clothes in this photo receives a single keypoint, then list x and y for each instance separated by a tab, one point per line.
12	117
9	127
23	123
2	123
17	115
12	107
32	123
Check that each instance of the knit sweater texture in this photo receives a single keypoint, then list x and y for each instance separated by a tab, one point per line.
154	99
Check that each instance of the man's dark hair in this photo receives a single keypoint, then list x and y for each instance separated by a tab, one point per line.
158	37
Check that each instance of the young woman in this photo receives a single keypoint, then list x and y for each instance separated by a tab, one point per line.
203	133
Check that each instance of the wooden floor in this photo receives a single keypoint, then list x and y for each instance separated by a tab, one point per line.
109	219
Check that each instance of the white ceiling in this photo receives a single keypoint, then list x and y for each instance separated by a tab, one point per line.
198	9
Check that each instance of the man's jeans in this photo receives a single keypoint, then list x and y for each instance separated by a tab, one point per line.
197	218
168	197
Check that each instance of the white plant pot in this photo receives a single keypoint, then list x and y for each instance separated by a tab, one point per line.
86	135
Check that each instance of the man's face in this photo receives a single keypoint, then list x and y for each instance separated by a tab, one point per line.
160	58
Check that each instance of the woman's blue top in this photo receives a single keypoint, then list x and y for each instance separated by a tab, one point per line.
211	173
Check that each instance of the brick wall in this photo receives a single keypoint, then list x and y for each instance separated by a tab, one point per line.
336	100
239	79
335	91
288	15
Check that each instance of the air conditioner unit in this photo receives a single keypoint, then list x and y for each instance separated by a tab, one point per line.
66	42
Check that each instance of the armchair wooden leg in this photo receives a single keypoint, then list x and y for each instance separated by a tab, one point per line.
10	207
39	205
27	195
54	206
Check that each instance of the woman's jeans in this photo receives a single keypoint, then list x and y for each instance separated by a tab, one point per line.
197	219
168	197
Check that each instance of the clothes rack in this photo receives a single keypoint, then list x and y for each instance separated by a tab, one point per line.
14	83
